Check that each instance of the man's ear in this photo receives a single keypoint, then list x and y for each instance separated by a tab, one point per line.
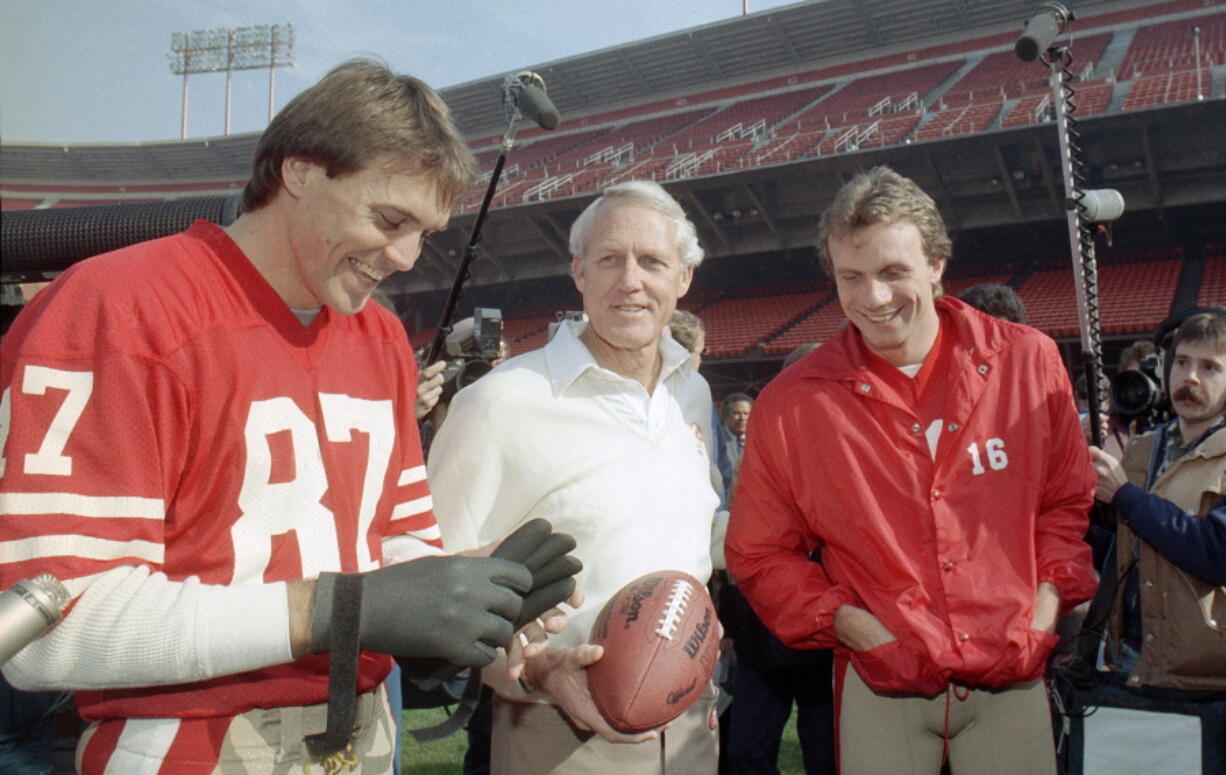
576	272
687	275
938	270
296	174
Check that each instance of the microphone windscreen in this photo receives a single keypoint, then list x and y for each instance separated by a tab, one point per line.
1026	48
1101	205
1041	31
537	106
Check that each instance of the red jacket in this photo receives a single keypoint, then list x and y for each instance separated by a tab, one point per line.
947	553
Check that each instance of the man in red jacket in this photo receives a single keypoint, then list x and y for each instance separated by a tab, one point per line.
934	455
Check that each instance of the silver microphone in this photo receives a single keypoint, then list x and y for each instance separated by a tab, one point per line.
1101	205
27	610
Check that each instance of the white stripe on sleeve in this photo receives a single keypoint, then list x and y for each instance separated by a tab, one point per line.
403	548
413	507
34	503
86	547
412	476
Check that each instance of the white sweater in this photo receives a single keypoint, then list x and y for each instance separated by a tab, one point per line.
551	434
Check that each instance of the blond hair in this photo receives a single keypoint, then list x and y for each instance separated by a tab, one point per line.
685	327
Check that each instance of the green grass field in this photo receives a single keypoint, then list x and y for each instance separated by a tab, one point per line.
443	757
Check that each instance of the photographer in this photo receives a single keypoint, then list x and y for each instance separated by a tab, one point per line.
1130	410
1168	638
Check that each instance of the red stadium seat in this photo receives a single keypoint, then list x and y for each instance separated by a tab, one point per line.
1164	48
736	325
1213	281
1135	297
1002	75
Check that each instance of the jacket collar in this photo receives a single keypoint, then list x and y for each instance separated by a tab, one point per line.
1212	442
976	336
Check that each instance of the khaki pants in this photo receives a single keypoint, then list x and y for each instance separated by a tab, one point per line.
1004	732
258	742
538	739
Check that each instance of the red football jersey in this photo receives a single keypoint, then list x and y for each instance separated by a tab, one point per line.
162	406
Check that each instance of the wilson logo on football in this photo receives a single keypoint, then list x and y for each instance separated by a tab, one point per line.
634	606
693	646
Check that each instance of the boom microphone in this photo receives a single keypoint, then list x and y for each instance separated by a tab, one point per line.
1101	205
526	90
537	106
1041	30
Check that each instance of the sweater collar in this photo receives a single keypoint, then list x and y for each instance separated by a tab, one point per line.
568	358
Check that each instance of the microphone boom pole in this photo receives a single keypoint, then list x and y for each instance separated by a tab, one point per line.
470	252
1081	242
1082	206
538	103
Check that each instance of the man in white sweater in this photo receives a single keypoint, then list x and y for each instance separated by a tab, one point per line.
602	431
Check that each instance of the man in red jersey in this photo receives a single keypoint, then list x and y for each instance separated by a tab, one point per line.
933	454
210	438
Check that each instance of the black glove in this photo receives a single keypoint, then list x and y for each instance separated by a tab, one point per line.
543	552
459	609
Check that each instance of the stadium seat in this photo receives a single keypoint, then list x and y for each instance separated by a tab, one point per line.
736	325
1135	297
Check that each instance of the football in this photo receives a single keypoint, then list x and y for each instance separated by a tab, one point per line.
661	644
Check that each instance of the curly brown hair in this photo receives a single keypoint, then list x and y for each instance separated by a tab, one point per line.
881	195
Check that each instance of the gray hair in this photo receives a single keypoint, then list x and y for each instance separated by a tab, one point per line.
652	196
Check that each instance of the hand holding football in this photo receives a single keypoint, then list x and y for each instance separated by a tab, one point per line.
661	644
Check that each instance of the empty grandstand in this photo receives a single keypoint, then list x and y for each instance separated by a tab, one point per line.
755	122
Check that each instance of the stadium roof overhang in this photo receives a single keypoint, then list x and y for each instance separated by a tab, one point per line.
1158	159
778	40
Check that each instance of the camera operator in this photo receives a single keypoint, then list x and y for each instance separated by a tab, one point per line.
474	346
1170	632
1134	394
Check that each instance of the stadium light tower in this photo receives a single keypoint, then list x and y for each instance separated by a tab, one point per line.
230	49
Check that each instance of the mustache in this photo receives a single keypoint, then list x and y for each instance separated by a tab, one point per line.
1190	393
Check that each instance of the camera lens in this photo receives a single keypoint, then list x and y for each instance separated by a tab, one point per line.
1133	393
